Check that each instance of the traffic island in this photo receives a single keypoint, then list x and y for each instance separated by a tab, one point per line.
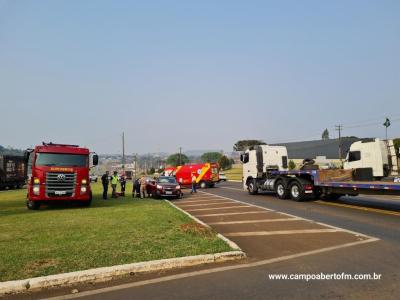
60	245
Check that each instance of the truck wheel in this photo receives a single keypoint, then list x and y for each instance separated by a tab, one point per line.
203	185
33	205
296	191
252	187
281	190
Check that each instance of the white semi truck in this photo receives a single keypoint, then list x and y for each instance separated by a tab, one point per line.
265	168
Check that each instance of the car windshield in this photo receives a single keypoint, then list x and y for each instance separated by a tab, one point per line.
64	160
166	180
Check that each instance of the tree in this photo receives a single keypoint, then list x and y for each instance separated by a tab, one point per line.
209	157
396	143
173	159
292	165
152	170
325	134
242	145
224	162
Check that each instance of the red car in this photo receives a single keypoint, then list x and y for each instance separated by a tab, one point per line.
166	186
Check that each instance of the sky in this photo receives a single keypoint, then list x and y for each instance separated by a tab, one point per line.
196	74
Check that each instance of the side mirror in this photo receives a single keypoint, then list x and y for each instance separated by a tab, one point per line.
95	160
26	156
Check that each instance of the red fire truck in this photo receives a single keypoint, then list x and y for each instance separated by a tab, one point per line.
207	175
59	172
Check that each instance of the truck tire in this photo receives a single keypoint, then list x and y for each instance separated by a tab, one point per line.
203	185
33	205
281	191
296	191
252	187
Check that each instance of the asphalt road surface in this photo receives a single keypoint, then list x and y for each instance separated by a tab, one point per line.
352	236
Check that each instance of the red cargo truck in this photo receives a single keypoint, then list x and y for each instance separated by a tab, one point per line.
207	175
59	173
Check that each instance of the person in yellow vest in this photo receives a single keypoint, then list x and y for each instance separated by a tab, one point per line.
114	182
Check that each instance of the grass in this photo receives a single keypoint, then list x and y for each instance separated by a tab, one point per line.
119	231
236	173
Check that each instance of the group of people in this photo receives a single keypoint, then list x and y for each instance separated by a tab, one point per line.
139	186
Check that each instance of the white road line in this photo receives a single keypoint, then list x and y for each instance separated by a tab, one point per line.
232	214
216	208
229	188
290	215
205	204
208	271
255	221
199	200
281	232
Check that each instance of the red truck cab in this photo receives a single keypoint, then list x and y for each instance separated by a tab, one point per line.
59	173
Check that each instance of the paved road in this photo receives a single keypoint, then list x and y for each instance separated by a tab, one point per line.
252	281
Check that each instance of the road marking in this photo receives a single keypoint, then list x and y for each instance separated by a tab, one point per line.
229	188
254	221
200	200
208	271
232	214
377	210
205	204
293	216
281	232
216	208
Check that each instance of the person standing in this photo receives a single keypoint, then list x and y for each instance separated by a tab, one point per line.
143	187
193	184
105	180
136	188
122	181
114	182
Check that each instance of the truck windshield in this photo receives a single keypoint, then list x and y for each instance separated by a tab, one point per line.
65	160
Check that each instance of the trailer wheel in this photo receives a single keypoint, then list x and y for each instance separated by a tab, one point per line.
33	205
281	190
296	191
252	187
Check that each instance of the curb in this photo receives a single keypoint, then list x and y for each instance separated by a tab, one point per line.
108	273
231	244
229	180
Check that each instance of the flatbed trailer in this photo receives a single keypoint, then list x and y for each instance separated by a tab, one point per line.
300	184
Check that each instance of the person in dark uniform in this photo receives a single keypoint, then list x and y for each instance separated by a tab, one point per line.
105	180
136	188
122	181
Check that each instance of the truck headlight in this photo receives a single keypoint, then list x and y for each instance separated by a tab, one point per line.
83	189
36	190
178	187
159	187
84	181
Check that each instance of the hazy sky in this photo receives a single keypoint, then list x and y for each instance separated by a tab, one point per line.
196	74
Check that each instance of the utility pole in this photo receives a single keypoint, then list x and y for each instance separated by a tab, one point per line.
135	166
339	128
180	156
123	152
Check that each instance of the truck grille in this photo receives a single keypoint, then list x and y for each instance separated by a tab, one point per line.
60	184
